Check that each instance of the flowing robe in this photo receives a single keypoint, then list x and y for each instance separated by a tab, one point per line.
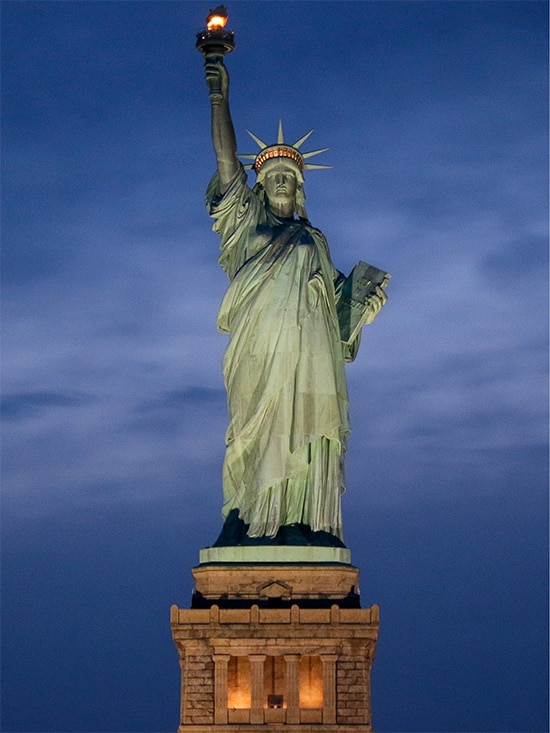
283	368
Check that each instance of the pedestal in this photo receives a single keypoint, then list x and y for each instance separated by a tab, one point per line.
280	640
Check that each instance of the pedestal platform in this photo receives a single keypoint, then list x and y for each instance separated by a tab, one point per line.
298	554
271	642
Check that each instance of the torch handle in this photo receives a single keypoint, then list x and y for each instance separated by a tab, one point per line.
215	93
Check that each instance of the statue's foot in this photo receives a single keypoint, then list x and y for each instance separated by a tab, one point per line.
293	534
234	533
254	541
325	539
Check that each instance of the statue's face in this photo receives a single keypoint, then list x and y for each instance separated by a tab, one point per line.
280	182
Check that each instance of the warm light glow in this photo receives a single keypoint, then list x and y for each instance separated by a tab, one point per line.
311	683
238	684
216	22
238	700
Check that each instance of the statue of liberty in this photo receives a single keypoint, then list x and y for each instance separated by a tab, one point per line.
283	473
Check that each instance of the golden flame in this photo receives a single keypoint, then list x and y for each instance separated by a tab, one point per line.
215	22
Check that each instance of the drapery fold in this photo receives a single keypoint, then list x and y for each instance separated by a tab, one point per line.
283	368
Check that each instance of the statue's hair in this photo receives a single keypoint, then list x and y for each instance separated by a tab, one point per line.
300	198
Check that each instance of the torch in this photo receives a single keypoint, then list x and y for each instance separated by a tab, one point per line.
214	42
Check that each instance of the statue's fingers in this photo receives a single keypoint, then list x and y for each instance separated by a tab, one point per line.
377	302
381	294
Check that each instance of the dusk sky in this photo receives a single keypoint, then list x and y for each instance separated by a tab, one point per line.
436	115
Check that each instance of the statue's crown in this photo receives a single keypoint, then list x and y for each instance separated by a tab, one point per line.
282	150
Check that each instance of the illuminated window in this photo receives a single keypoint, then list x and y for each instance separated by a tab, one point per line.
238	683
311	682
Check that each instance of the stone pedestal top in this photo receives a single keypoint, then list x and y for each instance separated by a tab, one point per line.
284	582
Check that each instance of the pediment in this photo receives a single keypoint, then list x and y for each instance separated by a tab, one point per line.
275	589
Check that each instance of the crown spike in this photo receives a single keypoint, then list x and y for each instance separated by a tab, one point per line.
313	166
314	152
257	140
302	140
282	150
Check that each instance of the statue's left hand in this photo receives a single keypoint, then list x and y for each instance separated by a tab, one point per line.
376	301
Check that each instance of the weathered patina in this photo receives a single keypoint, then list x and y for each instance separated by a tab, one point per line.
284	367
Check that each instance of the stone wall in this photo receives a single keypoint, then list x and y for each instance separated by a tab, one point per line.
337	642
197	700
352	690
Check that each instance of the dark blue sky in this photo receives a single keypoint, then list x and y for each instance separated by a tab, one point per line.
114	411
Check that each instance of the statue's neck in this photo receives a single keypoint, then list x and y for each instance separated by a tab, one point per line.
282	210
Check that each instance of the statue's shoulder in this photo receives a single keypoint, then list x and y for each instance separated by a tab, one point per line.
314	231
236	199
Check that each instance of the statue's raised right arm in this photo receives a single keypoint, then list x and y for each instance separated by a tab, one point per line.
223	132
